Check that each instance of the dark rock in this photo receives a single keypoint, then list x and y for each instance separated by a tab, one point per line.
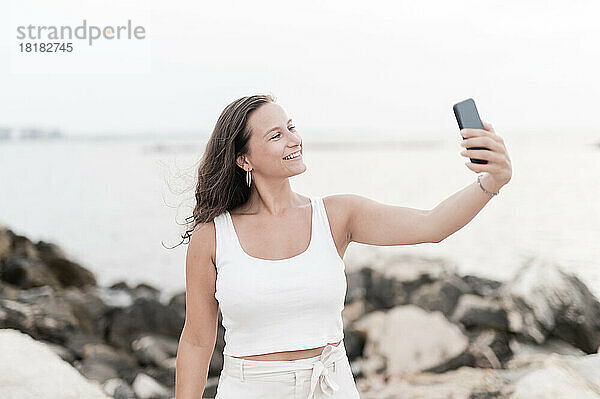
27	273
69	273
53	318
65	353
490	348
210	389
154	349
476	311
121	285
146	291
441	295
76	342
21	246
101	354
48	251
464	359
88	308
178	300
99	372
393	281
5	243
358	284
354	343
482	286
144	316
165	376
118	389
543	300
8	291
17	316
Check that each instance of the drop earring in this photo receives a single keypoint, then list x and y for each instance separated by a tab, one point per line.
248	178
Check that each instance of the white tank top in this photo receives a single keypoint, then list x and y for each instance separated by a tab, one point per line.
280	305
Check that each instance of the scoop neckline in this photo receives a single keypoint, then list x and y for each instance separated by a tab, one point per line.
310	243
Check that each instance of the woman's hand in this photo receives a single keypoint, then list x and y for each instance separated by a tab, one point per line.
499	166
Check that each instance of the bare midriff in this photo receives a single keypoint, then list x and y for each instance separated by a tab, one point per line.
288	355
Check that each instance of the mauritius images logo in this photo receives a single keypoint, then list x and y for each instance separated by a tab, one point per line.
89	33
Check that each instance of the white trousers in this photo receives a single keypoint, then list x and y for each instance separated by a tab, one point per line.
327	375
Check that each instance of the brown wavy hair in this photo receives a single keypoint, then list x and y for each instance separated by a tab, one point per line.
221	183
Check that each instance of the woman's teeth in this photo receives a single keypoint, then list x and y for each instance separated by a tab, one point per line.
296	155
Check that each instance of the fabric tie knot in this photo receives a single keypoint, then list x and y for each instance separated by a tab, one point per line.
320	374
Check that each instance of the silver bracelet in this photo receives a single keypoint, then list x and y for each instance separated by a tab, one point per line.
486	191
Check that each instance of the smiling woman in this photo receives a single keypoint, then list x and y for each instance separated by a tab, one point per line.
269	259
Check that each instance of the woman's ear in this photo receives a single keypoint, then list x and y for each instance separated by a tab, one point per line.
242	162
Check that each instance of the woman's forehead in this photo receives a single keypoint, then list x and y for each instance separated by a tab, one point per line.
267	116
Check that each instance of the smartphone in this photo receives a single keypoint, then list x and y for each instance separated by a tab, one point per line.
468	118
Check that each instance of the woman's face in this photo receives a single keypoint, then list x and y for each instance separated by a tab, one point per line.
273	137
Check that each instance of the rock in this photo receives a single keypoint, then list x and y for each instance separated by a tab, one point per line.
146	387
27	273
463	383
99	372
82	309
489	348
370	366
482	286
21	246
76	342
358	284
562	376
88	308
17	316
543	300
8	291
121	285
398	335
64	353
5	242
53	316
144	316
353	311
354	343
164	376
118	389
395	278
178	300
29	265
47	377
154	349
532	355
441	295
48	250
69	273
146	291
477	311
95	355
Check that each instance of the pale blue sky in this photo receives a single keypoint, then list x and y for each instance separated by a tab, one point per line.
390	68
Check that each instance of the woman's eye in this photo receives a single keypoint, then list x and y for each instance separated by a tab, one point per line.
279	134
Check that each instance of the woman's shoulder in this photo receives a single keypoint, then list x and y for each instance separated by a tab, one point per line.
339	203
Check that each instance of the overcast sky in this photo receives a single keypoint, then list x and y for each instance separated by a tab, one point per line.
337	67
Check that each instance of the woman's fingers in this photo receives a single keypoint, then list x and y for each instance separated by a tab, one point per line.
488	127
483	141
489	156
